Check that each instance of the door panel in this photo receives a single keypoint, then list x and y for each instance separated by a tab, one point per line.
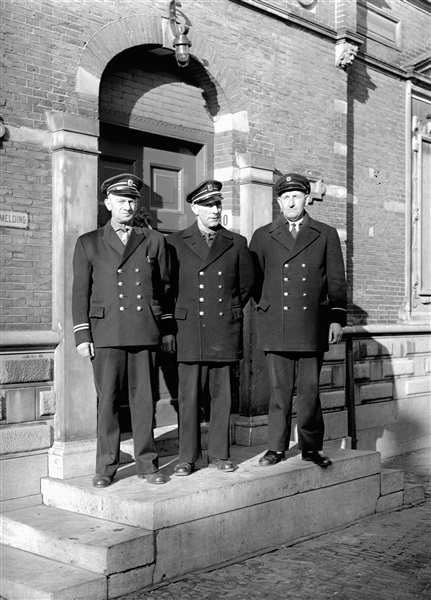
168	176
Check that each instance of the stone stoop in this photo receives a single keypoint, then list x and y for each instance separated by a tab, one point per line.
98	544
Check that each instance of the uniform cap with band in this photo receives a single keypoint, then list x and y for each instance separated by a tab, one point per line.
125	184
290	182
206	193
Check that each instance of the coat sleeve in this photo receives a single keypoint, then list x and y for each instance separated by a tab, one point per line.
246	275
167	323
336	279
81	292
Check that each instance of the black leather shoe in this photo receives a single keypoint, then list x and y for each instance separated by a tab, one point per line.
222	464
102	481
317	457
271	458
156	478
183	469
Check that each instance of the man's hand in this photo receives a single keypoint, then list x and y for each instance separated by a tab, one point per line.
86	349
335	333
168	344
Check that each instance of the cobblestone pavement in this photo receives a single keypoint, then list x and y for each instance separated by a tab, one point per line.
386	556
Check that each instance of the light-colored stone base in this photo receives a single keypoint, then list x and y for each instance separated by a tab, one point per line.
29	577
104	543
84	542
413	493
208	492
20	474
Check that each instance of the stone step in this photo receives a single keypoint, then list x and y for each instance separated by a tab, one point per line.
26	576
413	493
138	535
207	492
94	544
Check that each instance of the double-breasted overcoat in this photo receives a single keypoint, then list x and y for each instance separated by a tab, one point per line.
301	285
211	288
119	294
120	304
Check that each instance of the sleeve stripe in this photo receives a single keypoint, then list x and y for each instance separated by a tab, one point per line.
167	316
81	326
337	308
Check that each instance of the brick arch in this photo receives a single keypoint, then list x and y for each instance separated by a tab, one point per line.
142	29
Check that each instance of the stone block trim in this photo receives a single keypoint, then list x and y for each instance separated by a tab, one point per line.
16	439
25	370
45	398
20	405
391	481
390	501
377	391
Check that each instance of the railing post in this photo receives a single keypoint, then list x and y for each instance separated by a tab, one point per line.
350	391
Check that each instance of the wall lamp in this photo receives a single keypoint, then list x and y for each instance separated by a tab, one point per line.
179	30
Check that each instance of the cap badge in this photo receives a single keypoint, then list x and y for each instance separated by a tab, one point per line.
210	187
130	182
288	178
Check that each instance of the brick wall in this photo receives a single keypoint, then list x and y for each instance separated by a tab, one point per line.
289	85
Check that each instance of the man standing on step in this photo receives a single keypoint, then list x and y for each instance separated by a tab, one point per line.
212	279
120	313
301	307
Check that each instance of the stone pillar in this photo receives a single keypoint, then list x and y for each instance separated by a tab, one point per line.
256	174
74	178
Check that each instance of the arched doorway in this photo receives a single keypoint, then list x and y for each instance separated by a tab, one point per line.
154	122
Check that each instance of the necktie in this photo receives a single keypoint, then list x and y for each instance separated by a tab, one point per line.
209	238
124	234
293	230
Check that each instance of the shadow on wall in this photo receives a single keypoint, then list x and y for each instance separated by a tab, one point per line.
386	420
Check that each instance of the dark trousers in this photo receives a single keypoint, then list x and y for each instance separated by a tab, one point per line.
284	368
112	369
194	379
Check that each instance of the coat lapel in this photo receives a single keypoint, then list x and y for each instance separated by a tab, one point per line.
195	242
222	242
308	233
137	236
111	238
281	234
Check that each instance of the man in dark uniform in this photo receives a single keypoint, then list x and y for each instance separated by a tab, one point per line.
212	274
301	306
119	306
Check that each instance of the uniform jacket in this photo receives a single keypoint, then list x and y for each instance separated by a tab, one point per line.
302	287
119	294
211	288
